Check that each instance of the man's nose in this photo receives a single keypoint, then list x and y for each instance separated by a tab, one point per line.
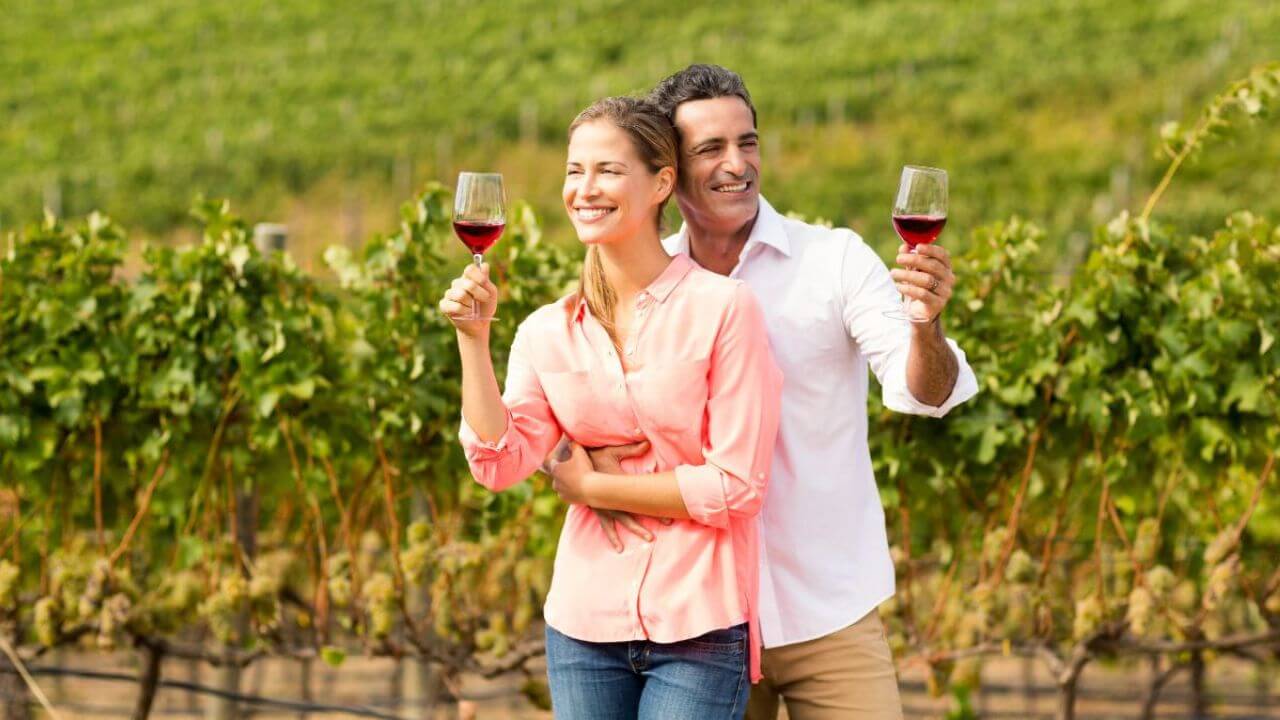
734	162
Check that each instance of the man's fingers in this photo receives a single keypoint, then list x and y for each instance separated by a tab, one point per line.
935	251
923	263
629	522
632	450
914	292
610	528
914	277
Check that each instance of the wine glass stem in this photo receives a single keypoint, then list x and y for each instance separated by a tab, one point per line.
906	301
478	259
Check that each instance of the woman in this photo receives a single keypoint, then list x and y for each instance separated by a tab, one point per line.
651	348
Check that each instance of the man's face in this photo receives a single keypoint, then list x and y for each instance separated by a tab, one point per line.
719	187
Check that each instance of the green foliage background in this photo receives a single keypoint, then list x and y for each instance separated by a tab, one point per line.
1044	109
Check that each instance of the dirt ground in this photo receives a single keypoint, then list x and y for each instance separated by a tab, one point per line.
1235	690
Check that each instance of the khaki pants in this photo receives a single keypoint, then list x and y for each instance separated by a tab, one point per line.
848	674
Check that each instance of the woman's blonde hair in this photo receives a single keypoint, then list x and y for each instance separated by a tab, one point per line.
654	139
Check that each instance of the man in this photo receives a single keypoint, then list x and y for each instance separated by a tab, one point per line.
825	563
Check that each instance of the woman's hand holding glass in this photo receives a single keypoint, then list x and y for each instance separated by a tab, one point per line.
471	301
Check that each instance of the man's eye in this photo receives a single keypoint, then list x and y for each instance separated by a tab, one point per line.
574	172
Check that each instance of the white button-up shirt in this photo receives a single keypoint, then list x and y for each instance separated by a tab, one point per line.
824	560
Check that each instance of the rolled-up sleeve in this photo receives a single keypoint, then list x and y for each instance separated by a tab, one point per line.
741	424
868	291
531	432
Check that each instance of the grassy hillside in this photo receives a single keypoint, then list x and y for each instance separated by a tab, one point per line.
1047	109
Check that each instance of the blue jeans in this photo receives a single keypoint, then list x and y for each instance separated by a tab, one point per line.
704	678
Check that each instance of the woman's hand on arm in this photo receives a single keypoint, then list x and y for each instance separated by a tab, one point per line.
577	481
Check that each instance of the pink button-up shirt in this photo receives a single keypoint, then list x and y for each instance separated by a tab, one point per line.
703	388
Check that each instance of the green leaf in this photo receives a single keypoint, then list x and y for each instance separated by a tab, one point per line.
332	656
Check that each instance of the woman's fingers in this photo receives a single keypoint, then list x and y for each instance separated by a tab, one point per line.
473	288
453	308
470	292
478	275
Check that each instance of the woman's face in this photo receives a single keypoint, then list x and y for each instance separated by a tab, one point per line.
609	192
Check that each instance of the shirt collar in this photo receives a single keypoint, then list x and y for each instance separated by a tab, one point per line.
767	230
660	289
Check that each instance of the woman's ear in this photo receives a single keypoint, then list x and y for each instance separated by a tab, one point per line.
666	182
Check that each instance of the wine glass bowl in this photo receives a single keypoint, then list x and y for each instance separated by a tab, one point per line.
479	215
919	214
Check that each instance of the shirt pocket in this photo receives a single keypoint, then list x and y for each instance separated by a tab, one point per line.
577	401
672	396
806	334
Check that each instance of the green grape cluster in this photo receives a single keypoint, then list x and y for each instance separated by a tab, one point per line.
1217	550
224	607
1021	567
112	620
8	585
993	544
381	601
1272	602
419	553
1089	615
273	571
1139	611
46	620
1223	579
175	601
339	580
1146	541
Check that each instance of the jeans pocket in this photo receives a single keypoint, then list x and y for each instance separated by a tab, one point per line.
725	641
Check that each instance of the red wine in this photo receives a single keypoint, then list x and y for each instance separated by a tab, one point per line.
918	229
478	236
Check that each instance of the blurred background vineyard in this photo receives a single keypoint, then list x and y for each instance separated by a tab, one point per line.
239	467
327	114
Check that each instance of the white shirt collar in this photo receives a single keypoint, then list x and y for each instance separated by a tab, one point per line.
768	230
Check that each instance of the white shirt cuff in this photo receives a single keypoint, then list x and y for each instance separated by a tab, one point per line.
900	399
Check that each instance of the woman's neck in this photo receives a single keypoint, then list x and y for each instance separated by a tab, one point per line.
632	265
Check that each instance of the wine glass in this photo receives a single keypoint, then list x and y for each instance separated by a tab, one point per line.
479	215
919	214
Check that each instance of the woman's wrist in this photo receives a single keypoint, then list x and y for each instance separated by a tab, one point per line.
478	336
593	483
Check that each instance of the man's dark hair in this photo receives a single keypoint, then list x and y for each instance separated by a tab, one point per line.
699	82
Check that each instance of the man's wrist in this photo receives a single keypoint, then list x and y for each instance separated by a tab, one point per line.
931	330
